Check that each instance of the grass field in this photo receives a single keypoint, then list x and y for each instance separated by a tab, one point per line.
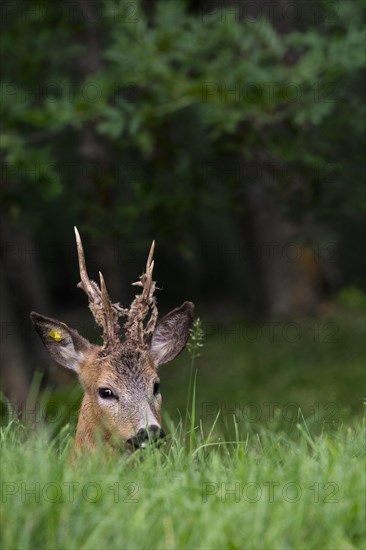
270	491
271	456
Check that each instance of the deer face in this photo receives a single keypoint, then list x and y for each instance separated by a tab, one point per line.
122	400
127	396
122	386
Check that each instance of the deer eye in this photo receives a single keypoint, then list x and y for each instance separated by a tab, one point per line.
106	393
156	388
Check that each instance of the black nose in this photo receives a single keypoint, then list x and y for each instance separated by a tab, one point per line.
152	435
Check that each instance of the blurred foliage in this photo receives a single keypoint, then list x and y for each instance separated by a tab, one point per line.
352	297
175	92
174	98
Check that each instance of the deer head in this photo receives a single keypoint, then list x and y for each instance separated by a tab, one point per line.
122	401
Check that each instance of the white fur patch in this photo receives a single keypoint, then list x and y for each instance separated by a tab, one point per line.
71	357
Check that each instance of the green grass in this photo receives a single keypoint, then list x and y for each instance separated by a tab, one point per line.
215	495
270	456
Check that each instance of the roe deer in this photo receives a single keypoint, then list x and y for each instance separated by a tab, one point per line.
122	400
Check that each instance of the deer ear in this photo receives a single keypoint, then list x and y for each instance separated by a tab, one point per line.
171	334
65	345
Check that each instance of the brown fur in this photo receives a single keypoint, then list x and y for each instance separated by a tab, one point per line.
133	380
132	411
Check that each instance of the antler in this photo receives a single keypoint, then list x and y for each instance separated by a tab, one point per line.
143	303
105	313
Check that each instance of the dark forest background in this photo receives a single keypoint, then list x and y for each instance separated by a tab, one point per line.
231	132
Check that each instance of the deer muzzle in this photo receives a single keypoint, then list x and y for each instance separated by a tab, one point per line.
144	437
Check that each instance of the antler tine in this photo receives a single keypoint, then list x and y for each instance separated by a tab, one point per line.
143	304
107	305
148	282
105	313
85	282
150	257
104	293
148	270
